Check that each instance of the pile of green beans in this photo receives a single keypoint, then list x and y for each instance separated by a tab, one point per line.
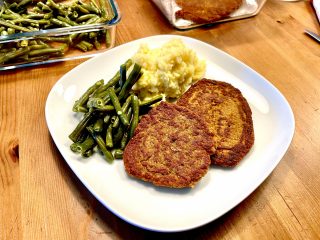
111	113
28	16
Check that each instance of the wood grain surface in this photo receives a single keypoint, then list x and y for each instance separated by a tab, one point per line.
41	198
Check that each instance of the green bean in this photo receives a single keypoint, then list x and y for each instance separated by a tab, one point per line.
123	74
132	79
115	122
23	43
34	16
4	33
101	144
55	6
98	125
44	51
109	138
67	20
33	59
96	43
10	56
81	36
88	45
124	140
43	22
48	15
81	9
94	3
103	8
83	136
12	5
66	39
92	20
31	21
44	7
92	8
95	102
129	114
151	101
106	119
127	104
78	131
124	108
87	154
93	35
84	98
82	147
74	15
17	27
35	47
82	47
98	90
86	17
105	108
118	154
59	23
8	50
11	31
118	135
36	9
116	104
135	118
108	38
9	11
23	3
9	16
32	28
82	109
104	95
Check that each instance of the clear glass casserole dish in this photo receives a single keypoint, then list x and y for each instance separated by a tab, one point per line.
47	31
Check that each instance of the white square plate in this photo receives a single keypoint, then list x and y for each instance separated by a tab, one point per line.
162	209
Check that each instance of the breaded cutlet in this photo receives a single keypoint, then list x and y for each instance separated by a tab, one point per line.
171	147
206	11
228	116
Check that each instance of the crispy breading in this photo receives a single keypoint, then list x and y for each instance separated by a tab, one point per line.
228	116
171	147
206	11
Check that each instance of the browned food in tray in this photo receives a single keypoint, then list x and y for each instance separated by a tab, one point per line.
228	115
171	147
206	11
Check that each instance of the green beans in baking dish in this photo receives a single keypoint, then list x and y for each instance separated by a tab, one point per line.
31	16
111	114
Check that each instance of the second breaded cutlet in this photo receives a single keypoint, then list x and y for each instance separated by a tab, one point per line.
206	11
228	116
171	147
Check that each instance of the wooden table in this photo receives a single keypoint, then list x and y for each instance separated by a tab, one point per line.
41	198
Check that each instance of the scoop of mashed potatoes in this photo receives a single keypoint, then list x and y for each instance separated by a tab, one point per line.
168	70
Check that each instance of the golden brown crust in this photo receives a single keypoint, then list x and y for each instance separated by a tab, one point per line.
228	116
171	147
206	11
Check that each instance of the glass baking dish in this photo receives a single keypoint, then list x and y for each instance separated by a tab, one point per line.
42	32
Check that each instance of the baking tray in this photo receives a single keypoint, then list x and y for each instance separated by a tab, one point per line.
249	8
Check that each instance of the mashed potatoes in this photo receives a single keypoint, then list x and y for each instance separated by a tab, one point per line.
167	70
